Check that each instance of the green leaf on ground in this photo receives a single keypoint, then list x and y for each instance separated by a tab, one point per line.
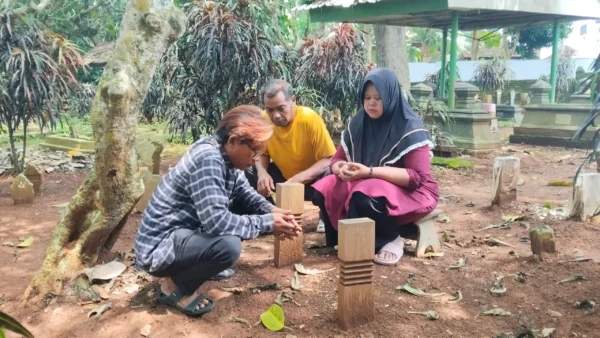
274	318
11	324
572	279
416	291
26	243
301	269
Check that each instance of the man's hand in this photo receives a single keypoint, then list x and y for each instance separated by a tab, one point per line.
354	171
265	185
285	226
337	167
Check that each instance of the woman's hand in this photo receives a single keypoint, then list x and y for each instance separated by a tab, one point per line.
285	227
354	171
337	167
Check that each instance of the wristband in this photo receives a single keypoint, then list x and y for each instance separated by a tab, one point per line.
371	172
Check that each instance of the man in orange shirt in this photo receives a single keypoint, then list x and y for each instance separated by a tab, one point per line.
300	149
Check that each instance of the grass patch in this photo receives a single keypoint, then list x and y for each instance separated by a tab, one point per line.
453	163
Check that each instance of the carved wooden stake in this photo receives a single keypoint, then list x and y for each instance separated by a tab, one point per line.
356	248
290	196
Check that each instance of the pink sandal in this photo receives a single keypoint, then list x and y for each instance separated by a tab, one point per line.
395	247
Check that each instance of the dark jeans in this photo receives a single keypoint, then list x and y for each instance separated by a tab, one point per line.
199	257
361	205
277	176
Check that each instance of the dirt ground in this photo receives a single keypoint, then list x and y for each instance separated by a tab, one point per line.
539	302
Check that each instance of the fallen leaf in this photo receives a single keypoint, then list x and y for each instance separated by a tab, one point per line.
416	291
8	244
576	260
456	299
512	218
443	219
496	312
525	225
301	269
98	311
296	284
26	243
145	331
234	290
285	297
61	205
572	279
100	291
470	204
560	183
274	318
240	320
547	332
431	315
554	314
503	225
462	263
494	241
107	271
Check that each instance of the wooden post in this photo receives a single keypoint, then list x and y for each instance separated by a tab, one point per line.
290	196
505	178
356	249
542	240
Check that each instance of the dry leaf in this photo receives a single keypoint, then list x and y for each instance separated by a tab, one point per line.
497	242
296	284
576	260
572	279
98	311
8	244
443	219
512	218
145	331
61	205
496	312
234	290
433	254
431	315
525	225
240	320
503	225
301	269
547	332
462	262
416	291
107	271
456	299
26	243
100	291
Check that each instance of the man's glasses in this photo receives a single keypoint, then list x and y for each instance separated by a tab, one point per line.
257	154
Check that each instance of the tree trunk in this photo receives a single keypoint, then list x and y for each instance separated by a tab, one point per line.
369	42
425	52
508	50
391	51
13	147
101	205
475	46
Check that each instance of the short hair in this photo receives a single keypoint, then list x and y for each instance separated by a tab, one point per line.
247	123
274	86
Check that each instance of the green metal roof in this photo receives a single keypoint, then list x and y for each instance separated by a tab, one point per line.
474	14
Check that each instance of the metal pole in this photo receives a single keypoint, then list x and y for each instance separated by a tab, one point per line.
442	82
554	64
453	55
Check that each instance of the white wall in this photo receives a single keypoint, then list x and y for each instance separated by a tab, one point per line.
522	69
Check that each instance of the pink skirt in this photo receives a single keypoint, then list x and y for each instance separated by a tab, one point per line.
407	205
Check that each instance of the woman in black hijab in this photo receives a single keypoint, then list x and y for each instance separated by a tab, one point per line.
381	170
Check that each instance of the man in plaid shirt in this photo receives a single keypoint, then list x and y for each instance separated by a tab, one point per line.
188	233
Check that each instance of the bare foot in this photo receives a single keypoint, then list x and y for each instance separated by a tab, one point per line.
168	286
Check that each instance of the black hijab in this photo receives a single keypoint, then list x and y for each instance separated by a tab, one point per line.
383	141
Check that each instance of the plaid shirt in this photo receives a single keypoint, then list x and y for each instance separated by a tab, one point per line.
196	194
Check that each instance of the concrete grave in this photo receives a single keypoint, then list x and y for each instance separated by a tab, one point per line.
471	125
21	190
149	155
552	124
63	143
34	175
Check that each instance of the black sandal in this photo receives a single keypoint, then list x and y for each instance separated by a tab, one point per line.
190	309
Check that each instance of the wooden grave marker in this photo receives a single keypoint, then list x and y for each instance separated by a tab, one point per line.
356	293
290	196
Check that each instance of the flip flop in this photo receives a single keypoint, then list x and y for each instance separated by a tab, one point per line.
227	273
190	309
395	247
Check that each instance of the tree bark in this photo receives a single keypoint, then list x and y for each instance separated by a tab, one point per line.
391	51
369	42
425	52
508	50
101	205
475	46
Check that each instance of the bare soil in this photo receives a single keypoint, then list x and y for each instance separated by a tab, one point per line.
530	302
